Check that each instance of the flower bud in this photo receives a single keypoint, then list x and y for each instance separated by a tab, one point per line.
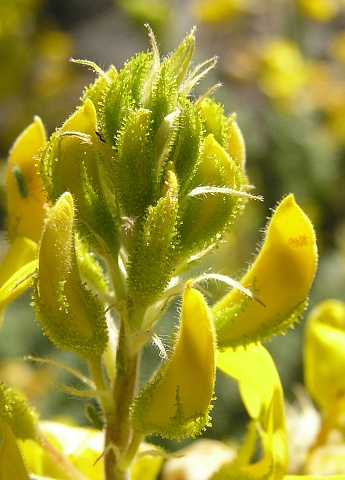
17	413
153	257
211	206
73	162
26	201
280	279
71	315
176	403
324	352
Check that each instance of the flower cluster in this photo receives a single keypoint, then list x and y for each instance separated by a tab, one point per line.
138	184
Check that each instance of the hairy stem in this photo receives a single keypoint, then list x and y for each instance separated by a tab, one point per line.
119	430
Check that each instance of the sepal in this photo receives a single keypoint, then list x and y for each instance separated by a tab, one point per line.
154	252
176	403
134	164
280	279
70	314
124	94
17	413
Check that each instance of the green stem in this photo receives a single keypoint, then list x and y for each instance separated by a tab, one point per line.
119	432
96	371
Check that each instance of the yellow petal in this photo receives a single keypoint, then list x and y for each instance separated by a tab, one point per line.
11	462
177	401
81	446
324	352
236	146
26	201
16	270
280	278
70	314
314	477
262	394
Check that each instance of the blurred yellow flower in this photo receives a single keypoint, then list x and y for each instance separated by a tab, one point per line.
320	10
324	353
283	72
218	10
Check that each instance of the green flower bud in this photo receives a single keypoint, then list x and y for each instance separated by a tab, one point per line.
176	403
213	203
153	257
17	413
71	315
134	166
72	162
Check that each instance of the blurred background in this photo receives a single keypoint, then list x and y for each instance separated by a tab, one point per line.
282	66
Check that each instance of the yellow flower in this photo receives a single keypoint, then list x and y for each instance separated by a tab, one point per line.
70	314
324	353
11	462
283	72
280	278
26	211
26	201
262	394
320	10
176	402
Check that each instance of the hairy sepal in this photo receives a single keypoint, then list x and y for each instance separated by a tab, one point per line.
154	253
